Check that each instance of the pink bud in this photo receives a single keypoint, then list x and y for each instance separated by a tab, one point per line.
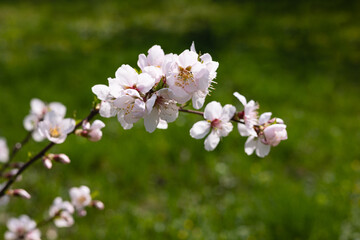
61	158
47	162
98	204
19	193
95	135
275	133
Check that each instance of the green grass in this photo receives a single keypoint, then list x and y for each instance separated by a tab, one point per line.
298	60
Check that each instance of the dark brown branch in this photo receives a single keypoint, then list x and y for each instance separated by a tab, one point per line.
93	113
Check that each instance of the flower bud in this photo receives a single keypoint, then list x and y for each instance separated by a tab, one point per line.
19	193
98	204
61	158
275	133
47	162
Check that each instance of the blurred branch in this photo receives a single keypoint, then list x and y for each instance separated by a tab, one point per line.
92	114
15	149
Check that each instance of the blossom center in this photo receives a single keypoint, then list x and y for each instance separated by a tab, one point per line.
55	132
216	123
184	77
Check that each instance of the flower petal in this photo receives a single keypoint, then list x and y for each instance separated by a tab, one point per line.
200	129
151	120
228	112
101	91
250	145
241	98
211	141
213	111
262	150
264	118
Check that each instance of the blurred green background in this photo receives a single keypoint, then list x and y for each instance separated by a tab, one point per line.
299	60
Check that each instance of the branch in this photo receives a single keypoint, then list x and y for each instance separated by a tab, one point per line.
93	113
15	149
202	114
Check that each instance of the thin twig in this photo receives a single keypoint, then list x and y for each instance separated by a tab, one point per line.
93	113
202	114
15	150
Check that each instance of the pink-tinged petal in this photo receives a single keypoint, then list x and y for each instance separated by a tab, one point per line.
30	122
241	98
154	72
192	47
156	56
198	99
225	129
150	103
67	125
97	124
200	129
37	106
151	120
58	108
179	94
211	141
162	124
169	111
201	74
243	130
107	110
187	58
142	61
213	111
228	112
275	133
123	101
126	75
145	82
262	150
250	145
101	91
123	123
37	135
264	117
116	88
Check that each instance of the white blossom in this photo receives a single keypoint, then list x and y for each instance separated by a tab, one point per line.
217	121
4	151
249	115
55	128
22	228
37	112
92	131
188	78
80	198
62	211
270	134
160	107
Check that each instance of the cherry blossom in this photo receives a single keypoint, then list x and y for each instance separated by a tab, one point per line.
22	228
270	133
91	131
249	115
160	107
188	79
217	121
37	112
80	198
62	212
4	151
55	128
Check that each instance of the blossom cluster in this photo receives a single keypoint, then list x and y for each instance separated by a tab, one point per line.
165	83
60	212
47	121
154	92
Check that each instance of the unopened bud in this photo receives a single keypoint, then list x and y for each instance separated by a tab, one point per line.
19	193
10	173
47	162
61	158
98	204
82	212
